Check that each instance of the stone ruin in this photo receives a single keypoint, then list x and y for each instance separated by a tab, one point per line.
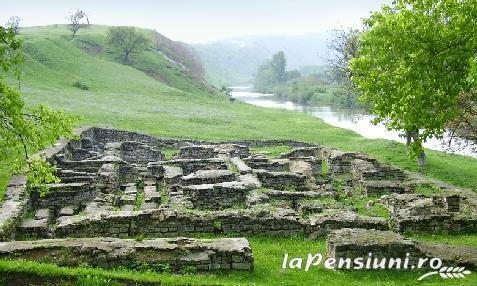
117	186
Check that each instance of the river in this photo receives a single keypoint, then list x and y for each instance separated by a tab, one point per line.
352	119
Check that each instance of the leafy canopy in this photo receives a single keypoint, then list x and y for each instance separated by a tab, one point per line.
416	58
271	73
127	39
25	130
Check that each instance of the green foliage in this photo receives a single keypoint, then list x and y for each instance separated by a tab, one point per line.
226	90
344	46
139	237
169	152
139	200
271	73
139	184
329	203
80	85
10	51
428	190
40	173
415	59
91	280
127	39
313	88
234	169
324	168
189	269
272	151
143	266
22	131
217	225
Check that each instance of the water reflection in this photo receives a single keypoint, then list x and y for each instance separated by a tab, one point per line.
353	119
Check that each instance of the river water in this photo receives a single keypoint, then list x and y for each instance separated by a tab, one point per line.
352	119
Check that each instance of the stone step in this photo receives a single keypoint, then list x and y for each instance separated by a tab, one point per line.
242	167
152	195
208	177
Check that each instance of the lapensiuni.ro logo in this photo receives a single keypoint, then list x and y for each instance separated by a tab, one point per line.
372	262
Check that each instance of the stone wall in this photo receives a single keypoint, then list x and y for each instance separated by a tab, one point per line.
354	243
204	255
14	207
170	223
216	196
118	184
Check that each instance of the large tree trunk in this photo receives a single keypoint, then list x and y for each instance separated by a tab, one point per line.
410	137
421	160
126	55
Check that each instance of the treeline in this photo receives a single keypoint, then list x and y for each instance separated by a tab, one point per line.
305	86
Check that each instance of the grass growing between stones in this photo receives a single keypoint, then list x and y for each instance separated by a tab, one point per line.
169	152
428	191
139	200
271	151
269	253
465	240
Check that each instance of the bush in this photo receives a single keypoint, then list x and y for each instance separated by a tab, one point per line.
80	85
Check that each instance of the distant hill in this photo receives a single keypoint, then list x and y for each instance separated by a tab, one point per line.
235	60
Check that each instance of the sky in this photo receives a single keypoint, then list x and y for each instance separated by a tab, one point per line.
196	21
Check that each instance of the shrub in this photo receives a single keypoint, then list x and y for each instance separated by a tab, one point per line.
80	85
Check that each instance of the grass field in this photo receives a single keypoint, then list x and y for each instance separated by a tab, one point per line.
123	96
268	270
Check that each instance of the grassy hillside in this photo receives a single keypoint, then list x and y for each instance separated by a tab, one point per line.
176	105
54	58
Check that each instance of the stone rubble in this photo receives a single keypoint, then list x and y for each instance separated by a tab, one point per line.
353	243
203	254
119	184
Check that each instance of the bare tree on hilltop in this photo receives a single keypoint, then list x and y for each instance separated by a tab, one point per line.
14	24
77	20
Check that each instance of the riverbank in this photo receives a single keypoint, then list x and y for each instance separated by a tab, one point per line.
355	119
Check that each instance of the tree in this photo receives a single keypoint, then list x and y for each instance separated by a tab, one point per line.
414	63
279	65
77	20
14	24
271	73
292	75
127	39
344	46
21	131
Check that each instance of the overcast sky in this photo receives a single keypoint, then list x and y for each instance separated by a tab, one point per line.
201	20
